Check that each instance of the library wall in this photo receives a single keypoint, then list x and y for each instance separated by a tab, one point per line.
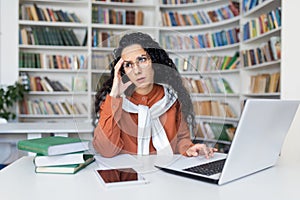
0	40
9	42
290	73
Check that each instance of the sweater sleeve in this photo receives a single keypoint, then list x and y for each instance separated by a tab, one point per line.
183	136
107	135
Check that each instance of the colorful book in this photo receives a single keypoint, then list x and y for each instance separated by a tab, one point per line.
65	159
53	145
64	169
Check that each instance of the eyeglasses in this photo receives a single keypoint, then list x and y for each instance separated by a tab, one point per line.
141	61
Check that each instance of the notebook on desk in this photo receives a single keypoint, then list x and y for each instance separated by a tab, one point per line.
256	145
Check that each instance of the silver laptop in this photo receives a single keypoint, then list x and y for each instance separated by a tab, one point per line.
257	143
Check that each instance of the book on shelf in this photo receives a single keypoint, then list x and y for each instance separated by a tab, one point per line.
53	145
210	40
139	19
40	107
174	18
217	131
79	83
213	108
64	169
37	13
64	159
265	83
262	24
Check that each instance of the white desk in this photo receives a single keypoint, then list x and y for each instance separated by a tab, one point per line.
34	130
19	181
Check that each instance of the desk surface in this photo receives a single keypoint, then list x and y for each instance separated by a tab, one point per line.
46	127
19	181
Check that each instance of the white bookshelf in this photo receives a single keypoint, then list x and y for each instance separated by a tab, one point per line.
238	78
268	67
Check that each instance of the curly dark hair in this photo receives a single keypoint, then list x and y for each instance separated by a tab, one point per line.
165	72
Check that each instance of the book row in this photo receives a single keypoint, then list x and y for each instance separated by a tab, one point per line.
198	41
119	1
104	39
79	84
213	108
45	84
265	83
101	60
250	4
216	131
112	16
200	17
41	107
207	85
49	36
262	24
49	61
266	52
207	63
35	13
175	2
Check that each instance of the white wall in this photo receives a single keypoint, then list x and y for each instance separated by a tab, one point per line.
9	41
290	73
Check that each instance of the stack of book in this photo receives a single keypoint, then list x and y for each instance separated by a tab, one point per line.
57	154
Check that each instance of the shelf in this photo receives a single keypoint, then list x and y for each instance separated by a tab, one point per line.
54	24
81	71
200	27
134	5
262	65
213	140
222	48
263	95
104	49
216	119
257	8
205	73
124	27
100	71
264	35
54	48
52	116
57	93
214	95
189	5
55	2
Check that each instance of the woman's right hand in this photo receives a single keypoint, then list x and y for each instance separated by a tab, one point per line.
118	86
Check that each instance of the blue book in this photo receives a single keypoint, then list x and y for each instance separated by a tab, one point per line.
224	37
172	18
278	15
201	42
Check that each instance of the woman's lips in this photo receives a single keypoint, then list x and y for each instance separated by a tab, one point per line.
140	80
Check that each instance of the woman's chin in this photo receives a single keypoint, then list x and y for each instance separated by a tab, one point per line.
144	86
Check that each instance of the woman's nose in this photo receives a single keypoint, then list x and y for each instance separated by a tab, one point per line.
136	69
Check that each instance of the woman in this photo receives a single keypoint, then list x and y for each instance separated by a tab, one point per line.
143	107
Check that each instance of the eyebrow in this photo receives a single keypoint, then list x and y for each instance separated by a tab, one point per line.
136	58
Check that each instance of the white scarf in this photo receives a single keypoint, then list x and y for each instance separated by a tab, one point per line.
149	124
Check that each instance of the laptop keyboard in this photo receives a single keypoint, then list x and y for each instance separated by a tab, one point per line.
208	168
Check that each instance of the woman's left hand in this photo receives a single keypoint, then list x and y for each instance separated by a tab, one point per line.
201	149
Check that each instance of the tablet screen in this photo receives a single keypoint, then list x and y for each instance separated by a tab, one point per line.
120	176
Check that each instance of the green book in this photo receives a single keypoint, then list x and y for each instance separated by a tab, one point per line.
64	159
219	131
54	145
64	169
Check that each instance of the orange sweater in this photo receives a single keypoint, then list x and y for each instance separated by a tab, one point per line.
116	131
